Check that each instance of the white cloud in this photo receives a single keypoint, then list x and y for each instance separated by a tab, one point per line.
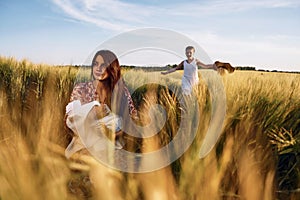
81	15
107	14
119	15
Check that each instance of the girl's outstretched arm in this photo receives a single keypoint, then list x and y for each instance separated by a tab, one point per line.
180	66
206	66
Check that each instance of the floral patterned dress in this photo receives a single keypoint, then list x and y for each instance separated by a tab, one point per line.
86	93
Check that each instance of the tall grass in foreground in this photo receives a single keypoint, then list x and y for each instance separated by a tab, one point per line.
257	156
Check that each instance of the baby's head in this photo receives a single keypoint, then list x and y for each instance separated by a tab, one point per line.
189	52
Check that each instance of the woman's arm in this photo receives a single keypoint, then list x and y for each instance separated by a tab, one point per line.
77	92
132	111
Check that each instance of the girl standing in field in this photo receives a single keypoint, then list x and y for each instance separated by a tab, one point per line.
190	66
101	102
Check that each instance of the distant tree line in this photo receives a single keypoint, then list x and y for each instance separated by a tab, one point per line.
148	68
245	68
163	68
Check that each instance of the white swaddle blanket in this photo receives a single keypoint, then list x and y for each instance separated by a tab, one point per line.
88	132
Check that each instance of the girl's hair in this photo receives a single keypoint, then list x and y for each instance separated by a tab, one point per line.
113	66
190	48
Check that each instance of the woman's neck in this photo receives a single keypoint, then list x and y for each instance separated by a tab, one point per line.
102	84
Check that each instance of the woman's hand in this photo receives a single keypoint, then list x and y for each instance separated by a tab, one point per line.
119	133
100	111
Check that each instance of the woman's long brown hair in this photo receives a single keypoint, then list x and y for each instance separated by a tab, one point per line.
113	66
119	101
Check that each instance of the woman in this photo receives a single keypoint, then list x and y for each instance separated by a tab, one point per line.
97	107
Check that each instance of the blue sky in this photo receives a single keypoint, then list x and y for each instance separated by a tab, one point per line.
260	33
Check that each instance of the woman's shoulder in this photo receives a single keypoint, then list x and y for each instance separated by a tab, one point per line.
83	87
82	91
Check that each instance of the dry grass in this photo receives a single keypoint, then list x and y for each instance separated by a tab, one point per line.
255	158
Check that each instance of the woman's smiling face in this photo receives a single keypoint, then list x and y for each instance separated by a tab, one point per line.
99	69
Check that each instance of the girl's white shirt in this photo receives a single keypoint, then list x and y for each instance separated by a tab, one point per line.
190	76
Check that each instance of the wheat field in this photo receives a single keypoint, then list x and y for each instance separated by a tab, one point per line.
256	157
